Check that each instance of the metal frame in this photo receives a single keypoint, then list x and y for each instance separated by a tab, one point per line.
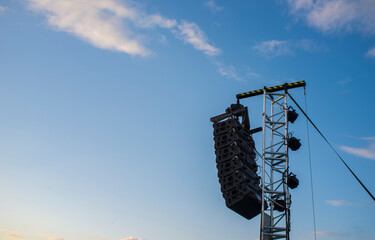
275	164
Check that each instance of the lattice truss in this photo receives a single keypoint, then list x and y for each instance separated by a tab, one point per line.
275	219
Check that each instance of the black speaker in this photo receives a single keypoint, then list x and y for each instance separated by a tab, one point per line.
244	200
237	169
235	164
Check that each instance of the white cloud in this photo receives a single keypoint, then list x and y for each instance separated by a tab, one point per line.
336	15
156	20
343	82
192	34
131	238
253	75
98	22
338	203
2	9
211	4
300	4
274	48
368	152
112	24
368	138
8	233
329	234
14	236
371	52
229	72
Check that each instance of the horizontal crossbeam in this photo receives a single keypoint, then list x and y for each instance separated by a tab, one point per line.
271	89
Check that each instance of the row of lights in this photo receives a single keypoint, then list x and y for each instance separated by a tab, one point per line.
294	144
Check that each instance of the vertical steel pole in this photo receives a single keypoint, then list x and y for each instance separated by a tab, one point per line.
286	173
272	187
262	221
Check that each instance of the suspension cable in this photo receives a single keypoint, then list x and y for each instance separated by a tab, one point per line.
311	175
342	160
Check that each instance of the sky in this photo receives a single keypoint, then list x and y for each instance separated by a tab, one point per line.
105	108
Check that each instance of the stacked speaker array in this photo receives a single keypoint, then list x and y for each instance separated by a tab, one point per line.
235	161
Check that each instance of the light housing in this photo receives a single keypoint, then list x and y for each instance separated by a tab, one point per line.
292	181
293	143
279	205
292	115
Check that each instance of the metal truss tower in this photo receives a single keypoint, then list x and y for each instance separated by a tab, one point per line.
276	200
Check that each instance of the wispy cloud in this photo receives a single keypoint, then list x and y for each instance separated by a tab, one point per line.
98	22
227	71
154	20
343	82
329	234
122	26
371	52
336	15
211	4
338	203
2	9
343	87
191	33
253	75
14	236
238	74
131	238
368	152
115	25
368	138
274	48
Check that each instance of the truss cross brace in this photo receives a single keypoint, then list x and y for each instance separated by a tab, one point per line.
275	218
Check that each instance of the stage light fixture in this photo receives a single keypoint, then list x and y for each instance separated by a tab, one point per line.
293	143
292	181
279	205
292	115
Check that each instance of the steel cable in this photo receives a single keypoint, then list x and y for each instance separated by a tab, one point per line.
311	175
342	160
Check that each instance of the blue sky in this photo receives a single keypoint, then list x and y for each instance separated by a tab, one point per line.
105	130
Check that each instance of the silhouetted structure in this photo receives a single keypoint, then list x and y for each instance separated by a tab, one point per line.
235	162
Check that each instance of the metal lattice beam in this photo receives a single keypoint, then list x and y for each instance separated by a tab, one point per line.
275	219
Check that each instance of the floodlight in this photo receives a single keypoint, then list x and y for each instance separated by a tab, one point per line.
292	181
279	204
293	143
292	115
